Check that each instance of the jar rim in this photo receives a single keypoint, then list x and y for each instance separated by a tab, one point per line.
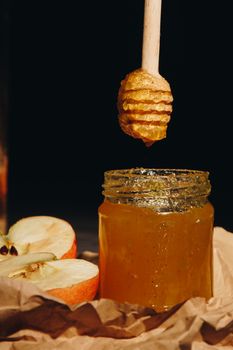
169	188
155	171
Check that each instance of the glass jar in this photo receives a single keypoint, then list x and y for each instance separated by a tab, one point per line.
155	236
5	20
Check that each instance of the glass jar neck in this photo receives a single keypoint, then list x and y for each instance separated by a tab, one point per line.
162	190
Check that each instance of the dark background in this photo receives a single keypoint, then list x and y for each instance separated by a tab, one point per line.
66	62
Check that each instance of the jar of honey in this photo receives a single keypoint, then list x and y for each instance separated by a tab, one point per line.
155	236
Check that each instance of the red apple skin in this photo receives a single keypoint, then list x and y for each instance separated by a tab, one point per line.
78	293
72	252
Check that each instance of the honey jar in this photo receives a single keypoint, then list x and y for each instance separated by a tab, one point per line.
155	236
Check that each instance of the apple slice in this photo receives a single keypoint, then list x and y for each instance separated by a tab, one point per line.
72	280
20	264
39	234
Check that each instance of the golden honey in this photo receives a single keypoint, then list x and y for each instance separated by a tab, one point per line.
155	237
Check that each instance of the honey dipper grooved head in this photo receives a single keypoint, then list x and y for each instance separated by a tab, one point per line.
145	106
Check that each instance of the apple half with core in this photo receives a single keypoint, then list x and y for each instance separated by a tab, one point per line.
39	234
72	280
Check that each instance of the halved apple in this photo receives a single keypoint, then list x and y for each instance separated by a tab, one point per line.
39	234
72	280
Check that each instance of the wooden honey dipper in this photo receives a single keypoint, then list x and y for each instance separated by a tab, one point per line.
145	99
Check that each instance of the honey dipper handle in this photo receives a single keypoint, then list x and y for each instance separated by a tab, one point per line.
151	36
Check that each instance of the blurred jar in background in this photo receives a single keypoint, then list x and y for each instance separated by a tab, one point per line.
4	82
3	181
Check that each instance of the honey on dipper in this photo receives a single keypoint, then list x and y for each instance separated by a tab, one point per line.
145	106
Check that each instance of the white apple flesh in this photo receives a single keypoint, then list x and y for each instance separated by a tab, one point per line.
39	234
72	280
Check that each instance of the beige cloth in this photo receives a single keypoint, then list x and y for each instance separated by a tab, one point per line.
30	319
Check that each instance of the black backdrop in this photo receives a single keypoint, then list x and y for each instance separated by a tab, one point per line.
67	59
